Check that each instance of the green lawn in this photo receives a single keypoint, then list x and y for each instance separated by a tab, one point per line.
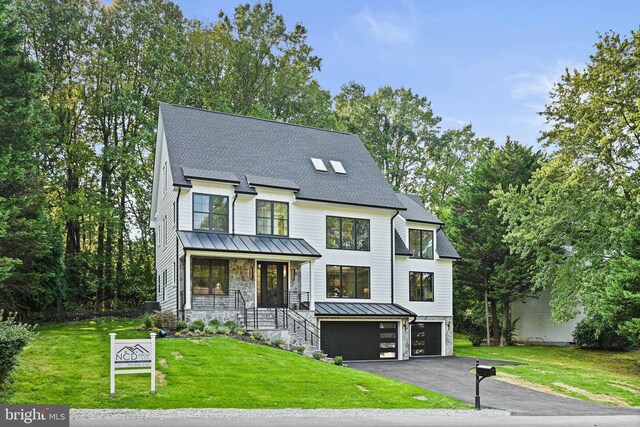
602	376
68	363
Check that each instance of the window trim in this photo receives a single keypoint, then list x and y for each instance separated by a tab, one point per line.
355	267
355	237
422	276
433	243
272	203
210	212
164	285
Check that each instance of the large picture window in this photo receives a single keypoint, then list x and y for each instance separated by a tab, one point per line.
420	286
421	243
272	218
210	212
347	233
348	282
210	276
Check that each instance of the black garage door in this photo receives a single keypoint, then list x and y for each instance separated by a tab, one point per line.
426	339
360	340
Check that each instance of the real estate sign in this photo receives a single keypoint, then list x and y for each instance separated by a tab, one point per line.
133	353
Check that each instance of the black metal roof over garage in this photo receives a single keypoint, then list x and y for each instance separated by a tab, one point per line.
239	243
361	309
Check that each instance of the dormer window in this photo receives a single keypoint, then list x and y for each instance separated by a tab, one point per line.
211	212
421	243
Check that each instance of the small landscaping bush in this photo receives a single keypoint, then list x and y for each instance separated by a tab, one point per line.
337	360
231	325
178	334
211	330
224	330
214	322
299	349
13	337
196	325
278	342
240	332
258	335
252	337
147	321
164	319
190	333
318	355
156	330
477	337
182	325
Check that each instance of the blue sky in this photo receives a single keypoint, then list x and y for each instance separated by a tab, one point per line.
491	64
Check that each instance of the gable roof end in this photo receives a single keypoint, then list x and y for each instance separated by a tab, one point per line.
415	210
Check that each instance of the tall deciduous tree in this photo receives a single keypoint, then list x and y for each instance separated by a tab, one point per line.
396	125
579	217
487	264
30	252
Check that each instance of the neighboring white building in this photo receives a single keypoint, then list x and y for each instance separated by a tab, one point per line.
295	231
535	325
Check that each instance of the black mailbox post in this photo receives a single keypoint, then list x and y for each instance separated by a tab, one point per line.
482	372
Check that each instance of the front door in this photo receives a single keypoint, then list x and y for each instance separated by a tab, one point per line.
272	284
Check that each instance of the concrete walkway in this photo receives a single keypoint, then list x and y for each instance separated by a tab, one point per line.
450	376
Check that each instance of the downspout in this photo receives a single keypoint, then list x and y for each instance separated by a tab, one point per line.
233	214
177	253
393	253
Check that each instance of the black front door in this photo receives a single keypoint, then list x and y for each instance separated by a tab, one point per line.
272	284
426	339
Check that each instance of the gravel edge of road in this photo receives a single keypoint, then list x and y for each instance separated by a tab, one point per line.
78	414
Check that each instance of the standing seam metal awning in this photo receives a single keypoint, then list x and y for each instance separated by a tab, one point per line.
224	242
361	309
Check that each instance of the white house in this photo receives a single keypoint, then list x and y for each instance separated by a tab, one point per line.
295	231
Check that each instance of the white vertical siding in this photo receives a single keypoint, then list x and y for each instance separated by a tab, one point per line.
165	254
441	268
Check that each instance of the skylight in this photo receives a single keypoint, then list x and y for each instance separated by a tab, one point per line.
318	164
337	167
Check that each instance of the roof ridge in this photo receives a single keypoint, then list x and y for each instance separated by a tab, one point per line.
256	118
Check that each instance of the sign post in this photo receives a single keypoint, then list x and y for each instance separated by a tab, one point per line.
132	353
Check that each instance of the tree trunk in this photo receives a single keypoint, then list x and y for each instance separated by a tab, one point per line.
505	322
495	326
486	310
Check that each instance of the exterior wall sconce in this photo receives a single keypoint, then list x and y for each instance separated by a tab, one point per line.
404	325
251	272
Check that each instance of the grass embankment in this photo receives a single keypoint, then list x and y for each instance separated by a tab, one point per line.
602	376
69	363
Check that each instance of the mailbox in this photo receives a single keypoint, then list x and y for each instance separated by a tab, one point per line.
485	371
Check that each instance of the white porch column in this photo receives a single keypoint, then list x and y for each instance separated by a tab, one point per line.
187	282
312	304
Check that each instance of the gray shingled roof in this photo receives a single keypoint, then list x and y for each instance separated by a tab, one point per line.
444	248
361	309
223	242
401	248
209	141
415	210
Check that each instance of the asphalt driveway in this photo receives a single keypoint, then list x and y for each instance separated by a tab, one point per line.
450	376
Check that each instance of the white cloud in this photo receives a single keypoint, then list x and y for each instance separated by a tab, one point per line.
386	28
534	87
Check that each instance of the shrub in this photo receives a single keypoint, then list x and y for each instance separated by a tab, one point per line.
197	332
13	337
299	349
210	330
182	325
224	330
240	332
268	342
337	360
595	332
278	342
147	320
156	330
190	333
258	335
318	355
231	325
214	322
196	325
477	337
178	334
252	337
164	319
